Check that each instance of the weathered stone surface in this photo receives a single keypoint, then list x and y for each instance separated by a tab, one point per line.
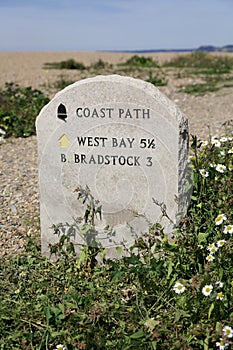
123	139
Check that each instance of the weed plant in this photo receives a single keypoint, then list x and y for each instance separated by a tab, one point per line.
200	89
100	64
62	82
157	80
212	64
171	292
68	64
136	64
140	61
72	64
211	84
19	108
213	69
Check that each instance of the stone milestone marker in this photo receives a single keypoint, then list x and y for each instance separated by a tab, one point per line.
123	139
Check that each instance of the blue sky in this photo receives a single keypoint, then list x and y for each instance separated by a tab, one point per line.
28	25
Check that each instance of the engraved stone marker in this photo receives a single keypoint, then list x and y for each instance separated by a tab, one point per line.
123	139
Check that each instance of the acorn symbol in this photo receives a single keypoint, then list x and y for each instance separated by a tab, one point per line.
61	112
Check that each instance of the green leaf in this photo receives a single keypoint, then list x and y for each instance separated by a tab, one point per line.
55	310
220	273
102	254
82	257
202	237
151	324
119	250
62	308
85	229
177	315
6	317
47	314
62	239
217	327
138	334
56	333
170	268
210	310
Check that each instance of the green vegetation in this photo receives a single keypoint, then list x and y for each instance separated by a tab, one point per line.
214	70
169	293
200	89
212	64
68	64
62	82
140	61
157	80
72	64
100	64
19	108
211	84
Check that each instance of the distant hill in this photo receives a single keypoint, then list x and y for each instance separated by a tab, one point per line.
209	48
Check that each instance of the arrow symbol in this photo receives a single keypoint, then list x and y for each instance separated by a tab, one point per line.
64	141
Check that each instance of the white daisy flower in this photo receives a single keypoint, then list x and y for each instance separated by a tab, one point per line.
213	250
228	331
220	296
223	139
179	288
2	132
210	258
60	347
207	290
216	143
22	274
221	345
230	151
220	168
210	246
221	242
219	284
204	173
191	158
228	229
223	153
220	218
204	143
